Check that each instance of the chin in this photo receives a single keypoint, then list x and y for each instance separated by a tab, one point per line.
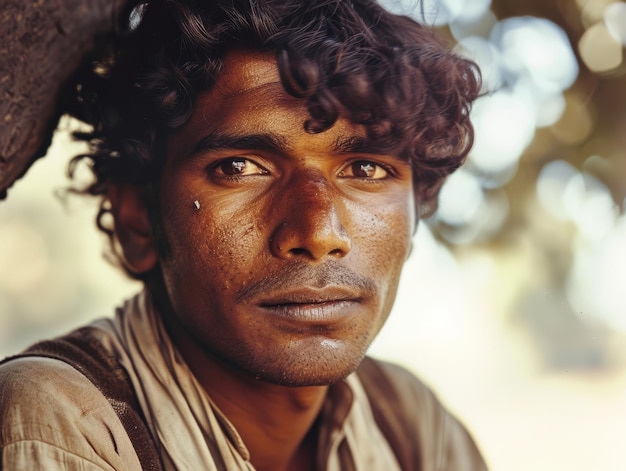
315	369
303	379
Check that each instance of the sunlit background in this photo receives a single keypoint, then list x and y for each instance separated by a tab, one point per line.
512	306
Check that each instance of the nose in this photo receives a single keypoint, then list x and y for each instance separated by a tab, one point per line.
310	226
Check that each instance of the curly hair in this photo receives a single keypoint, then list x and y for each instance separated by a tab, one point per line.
343	58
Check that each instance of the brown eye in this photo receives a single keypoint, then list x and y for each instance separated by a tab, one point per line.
365	169
240	166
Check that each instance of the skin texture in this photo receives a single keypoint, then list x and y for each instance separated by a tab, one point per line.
285	252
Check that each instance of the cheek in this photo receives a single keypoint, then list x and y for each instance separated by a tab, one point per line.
212	246
381	245
384	234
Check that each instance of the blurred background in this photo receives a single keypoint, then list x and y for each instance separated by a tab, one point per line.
511	306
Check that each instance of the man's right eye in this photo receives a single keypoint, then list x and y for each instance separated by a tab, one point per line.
239	166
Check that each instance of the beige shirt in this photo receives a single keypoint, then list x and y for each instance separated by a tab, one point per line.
53	418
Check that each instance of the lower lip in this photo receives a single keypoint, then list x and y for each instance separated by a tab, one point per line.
314	313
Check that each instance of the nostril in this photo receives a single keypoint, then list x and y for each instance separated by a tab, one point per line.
336	252
311	233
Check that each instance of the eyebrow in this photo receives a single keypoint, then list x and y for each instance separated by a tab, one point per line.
364	145
272	142
355	145
264	142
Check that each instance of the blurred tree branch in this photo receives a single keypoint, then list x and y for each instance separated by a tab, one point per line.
603	152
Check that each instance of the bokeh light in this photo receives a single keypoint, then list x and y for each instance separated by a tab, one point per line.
599	49
441	12
460	199
527	65
504	125
487	56
537	50
551	183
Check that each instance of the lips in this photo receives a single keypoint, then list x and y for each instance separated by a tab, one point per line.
310	296
312	305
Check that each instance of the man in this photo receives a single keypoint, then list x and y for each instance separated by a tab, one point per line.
264	164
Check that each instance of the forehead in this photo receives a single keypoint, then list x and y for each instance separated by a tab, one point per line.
247	98
248	92
246	71
248	83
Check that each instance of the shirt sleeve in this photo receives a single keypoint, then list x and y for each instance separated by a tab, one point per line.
34	455
54	418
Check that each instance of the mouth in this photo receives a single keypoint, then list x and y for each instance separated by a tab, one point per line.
321	306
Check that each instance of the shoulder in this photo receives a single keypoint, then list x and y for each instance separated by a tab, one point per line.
384	380
49	408
36	388
399	376
443	441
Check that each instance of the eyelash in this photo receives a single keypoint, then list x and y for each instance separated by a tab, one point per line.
214	170
389	171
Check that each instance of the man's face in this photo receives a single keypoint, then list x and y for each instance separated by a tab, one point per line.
286	247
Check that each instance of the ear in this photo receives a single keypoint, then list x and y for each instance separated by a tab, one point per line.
132	227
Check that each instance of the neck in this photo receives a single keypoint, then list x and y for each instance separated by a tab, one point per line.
277	423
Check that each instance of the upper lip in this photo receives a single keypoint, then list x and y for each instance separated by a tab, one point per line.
308	295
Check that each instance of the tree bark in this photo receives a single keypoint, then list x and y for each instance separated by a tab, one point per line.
42	42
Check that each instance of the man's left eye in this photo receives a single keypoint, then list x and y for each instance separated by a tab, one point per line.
365	169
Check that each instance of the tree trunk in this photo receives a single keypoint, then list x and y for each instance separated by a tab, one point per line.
41	43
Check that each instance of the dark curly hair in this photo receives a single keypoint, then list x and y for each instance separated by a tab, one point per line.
344	58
